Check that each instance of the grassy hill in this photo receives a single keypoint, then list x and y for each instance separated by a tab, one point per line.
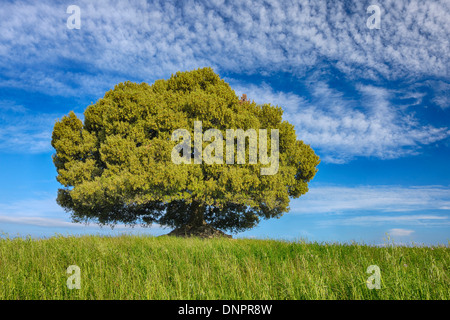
143	267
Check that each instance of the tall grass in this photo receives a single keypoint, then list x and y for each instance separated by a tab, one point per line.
143	267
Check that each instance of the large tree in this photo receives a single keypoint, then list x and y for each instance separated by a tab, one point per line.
117	165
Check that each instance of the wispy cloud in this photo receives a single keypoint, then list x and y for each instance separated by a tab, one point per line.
38	221
44	206
397	232
10	106
441	92
377	220
24	131
45	212
363	199
342	128
148	40
144	41
59	223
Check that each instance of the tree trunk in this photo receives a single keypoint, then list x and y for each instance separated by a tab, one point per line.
196	225
197	214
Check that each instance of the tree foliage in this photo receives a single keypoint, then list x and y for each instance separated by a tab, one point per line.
117	167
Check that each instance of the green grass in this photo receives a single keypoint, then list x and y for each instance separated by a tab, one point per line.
143	267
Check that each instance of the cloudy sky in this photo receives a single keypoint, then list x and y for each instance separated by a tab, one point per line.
374	103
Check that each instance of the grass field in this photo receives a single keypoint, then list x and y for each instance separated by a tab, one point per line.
143	267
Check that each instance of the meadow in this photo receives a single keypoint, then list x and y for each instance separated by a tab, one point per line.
146	267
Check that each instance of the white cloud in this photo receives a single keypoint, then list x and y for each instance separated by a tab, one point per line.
38	221
342	129
377	220
59	223
10	106
397	219
441	91
149	40
396	232
388	199
290	102
142	41
45	212
45	207
25	131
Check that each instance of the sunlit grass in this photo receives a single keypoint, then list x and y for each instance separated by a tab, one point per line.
144	267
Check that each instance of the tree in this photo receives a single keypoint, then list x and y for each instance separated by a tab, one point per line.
116	166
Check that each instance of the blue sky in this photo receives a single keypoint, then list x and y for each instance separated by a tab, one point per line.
373	103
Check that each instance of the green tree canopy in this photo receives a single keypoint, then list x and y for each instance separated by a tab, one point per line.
117	167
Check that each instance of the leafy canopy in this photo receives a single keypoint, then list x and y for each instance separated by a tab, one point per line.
117	166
